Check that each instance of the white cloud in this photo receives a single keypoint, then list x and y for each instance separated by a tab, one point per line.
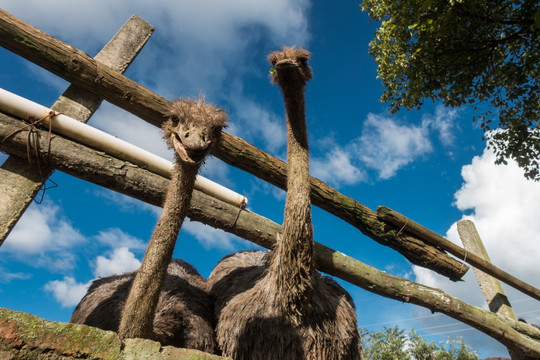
217	20
336	168
444	122
505	211
116	238
220	35
6	276
43	237
67	292
130	128
121	260
33	233
210	237
126	203
386	146
255	122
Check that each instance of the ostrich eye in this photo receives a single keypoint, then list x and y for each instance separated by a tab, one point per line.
175	119
302	61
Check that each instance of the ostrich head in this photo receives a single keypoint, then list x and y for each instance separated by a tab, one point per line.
290	66
192	128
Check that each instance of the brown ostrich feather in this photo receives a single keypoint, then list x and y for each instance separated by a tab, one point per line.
181	318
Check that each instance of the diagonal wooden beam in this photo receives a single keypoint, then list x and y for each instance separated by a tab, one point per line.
491	287
78	68
21	181
121	176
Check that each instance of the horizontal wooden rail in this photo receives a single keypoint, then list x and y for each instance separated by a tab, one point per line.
80	69
427	235
121	176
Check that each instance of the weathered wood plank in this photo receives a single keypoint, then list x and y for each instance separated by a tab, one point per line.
21	181
491	288
427	235
123	177
80	69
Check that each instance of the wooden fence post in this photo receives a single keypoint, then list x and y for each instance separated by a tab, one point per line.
490	286
20	182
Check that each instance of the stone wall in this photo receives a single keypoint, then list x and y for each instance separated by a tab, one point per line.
25	336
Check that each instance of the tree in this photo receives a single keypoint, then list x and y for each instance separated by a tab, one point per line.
386	345
392	344
478	52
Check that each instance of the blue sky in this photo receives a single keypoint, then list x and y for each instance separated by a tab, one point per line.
430	165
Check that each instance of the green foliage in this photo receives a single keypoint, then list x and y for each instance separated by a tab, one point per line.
485	53
392	344
386	345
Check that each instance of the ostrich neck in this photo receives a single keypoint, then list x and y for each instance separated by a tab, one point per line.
293	258
175	207
141	304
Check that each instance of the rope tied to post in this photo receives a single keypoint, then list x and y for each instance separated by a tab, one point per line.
33	138
402	228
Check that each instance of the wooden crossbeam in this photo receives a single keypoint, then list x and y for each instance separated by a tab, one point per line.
478	262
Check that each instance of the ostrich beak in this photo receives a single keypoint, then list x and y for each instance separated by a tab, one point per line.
188	155
285	64
181	149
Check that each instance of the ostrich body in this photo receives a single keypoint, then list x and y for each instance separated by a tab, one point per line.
191	130
181	317
275	305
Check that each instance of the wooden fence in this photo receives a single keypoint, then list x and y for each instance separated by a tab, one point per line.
98	79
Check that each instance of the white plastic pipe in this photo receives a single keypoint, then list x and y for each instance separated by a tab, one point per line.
100	140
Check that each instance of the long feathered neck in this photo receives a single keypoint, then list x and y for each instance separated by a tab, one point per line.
143	298
292	260
174	211
177	201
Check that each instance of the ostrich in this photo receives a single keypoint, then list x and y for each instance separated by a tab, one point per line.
275	305
182	315
184	312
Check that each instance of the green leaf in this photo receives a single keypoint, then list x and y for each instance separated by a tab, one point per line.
465	53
